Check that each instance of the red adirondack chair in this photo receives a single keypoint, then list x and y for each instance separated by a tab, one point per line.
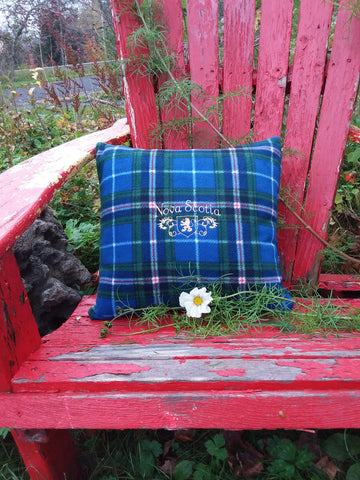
72	378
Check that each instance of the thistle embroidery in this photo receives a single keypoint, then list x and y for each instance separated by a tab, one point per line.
187	225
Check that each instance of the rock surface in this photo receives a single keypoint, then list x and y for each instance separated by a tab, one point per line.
52	276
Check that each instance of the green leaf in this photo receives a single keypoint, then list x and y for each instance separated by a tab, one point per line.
304	459
4	432
282	449
216	447
153	447
281	469
342	446
354	156
183	470
202	472
335	447
354	472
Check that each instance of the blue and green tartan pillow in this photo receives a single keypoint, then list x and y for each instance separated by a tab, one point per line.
166	214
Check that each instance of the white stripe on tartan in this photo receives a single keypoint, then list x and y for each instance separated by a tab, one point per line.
274	196
226	280
196	240
113	302
204	241
237	215
153	229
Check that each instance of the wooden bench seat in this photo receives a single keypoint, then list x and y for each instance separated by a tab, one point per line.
258	378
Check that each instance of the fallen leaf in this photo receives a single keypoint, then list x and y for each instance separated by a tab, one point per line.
328	467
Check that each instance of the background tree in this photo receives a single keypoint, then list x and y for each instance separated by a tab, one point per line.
18	20
40	32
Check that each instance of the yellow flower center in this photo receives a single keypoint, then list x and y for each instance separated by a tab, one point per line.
198	300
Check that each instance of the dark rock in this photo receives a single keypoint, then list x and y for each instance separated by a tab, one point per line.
51	275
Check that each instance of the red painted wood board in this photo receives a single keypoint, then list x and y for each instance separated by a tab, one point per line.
47	454
239	24
175	138
307	81
273	59
203	44
19	335
337	106
251	409
27	187
75	359
339	283
139	93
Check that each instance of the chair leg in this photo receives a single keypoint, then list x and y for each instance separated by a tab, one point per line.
47	454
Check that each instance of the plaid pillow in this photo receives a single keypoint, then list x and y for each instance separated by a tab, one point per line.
168	214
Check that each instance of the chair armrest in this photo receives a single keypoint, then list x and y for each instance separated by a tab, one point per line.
27	187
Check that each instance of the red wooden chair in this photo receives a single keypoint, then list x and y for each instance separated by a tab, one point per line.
72	378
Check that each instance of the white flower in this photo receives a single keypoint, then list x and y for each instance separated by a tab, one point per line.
196	302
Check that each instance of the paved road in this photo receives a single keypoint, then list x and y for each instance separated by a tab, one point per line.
86	84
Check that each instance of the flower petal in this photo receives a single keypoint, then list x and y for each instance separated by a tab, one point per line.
185	297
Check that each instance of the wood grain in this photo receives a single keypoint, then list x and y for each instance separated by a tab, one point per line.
202	29
239	25
273	60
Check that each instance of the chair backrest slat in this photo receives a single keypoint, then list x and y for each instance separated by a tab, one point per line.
308	73
203	38
239	36
273	60
175	139
339	97
141	107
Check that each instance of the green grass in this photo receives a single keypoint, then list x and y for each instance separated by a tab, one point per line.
205	455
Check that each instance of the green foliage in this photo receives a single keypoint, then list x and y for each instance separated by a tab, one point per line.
210	466
11	465
344	448
290	462
26	132
84	242
77	209
4	432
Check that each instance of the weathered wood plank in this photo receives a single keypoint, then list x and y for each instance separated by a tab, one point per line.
176	138
250	409
274	44
139	92
76	358
182	374
27	187
19	335
339	283
337	106
239	25
307	81
203	38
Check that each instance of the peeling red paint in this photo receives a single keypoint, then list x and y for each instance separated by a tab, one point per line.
341	369
230	372
181	359
80	371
